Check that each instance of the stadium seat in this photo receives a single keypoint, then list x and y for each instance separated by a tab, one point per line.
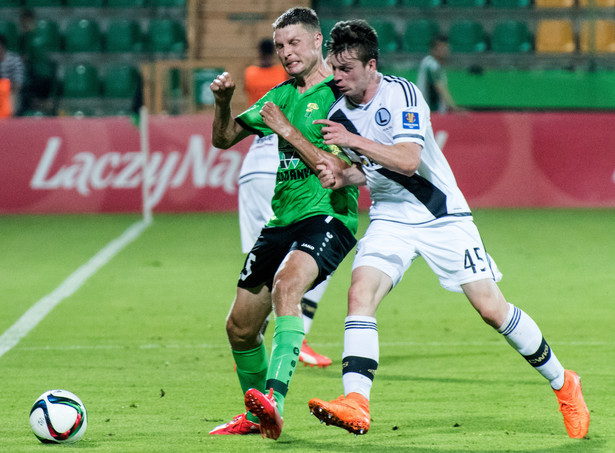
421	3
510	3
46	37
8	29
120	81
418	35
467	36
466	3
334	3
554	3
10	3
81	81
42	3
387	35
85	3
597	3
597	36
82	35
125	3
165	35
511	36
376	3
168	3
555	36
123	35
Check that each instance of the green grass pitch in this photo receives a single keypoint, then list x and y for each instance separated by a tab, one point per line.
142	342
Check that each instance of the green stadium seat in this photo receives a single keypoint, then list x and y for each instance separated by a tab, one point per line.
43	3
85	3
467	36
421	3
120	81
125	3
168	3
165	35
81	81
388	40
333	3
418	35
376	3
123	35
8	29
10	3
510	3
45	38
465	3
511	36
82	35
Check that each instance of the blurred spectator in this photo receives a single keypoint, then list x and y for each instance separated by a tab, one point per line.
432	80
11	79
40	71
261	78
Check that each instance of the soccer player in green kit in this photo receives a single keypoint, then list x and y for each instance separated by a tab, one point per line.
310	233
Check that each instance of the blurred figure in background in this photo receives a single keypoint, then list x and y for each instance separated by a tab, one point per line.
11	79
257	182
39	86
432	80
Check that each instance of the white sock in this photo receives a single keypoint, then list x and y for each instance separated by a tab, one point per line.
361	354
524	335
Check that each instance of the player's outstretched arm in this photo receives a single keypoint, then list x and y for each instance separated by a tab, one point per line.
310	153
403	158
225	131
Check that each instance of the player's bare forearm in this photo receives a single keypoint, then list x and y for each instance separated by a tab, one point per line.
336	177
311	154
279	123
402	158
225	131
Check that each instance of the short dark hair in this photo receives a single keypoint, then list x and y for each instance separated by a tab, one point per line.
354	35
438	39
298	15
265	47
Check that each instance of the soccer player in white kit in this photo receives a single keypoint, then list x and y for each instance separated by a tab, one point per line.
383	124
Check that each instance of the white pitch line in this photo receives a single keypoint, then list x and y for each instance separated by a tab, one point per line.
39	310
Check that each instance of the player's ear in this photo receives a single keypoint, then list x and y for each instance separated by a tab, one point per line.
318	38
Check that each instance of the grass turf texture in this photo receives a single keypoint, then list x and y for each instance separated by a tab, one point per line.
142	343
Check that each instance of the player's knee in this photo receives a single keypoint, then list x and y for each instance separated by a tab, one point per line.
361	301
241	335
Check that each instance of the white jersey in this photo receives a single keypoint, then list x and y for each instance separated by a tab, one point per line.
262	159
399	113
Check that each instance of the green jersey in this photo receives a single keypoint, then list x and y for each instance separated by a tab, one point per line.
298	192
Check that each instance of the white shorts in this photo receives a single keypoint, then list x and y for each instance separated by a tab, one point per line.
452	248
254	208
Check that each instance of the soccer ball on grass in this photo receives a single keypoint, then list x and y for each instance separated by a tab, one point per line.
58	416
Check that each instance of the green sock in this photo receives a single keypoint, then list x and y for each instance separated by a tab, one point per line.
287	339
252	370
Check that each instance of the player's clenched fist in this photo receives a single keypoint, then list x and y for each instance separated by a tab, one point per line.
223	87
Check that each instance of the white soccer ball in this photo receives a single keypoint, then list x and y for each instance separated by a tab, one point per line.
58	416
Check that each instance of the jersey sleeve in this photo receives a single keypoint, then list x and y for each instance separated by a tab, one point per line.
251	119
409	113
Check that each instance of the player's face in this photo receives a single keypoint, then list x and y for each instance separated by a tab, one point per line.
351	76
299	49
